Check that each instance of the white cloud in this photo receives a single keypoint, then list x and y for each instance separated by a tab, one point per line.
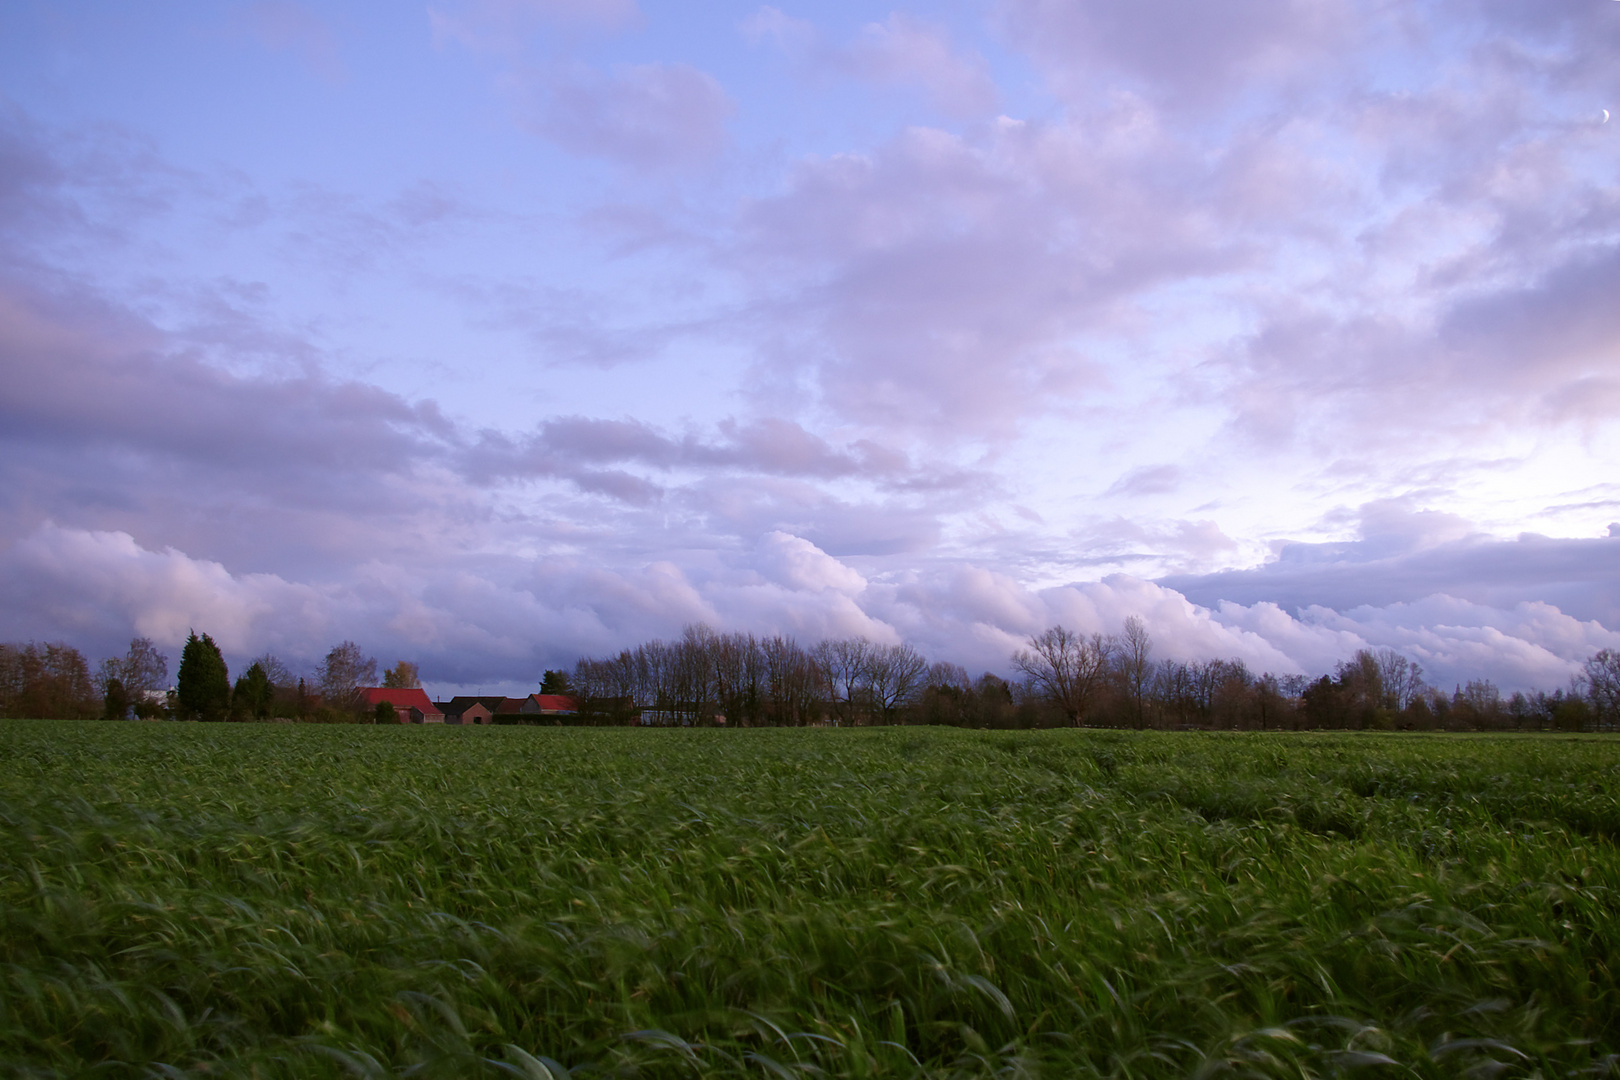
1241	274
799	564
502	623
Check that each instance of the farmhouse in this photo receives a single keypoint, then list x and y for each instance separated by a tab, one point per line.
548	705
489	709
411	705
474	712
481	709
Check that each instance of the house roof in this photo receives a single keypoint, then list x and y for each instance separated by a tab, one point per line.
554	702
493	703
399	697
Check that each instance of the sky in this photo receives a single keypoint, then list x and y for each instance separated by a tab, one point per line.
493	333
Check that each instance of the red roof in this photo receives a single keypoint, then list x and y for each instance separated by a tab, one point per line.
554	702
400	698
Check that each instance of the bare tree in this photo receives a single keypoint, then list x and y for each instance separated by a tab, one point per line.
842	664
695	690
50	681
1065	668
344	671
946	674
144	668
1231	695
739	678
792	688
1603	686
131	678
1132	660
1173	691
279	674
1400	679
894	677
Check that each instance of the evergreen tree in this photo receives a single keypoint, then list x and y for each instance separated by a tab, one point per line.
115	700
203	685
253	693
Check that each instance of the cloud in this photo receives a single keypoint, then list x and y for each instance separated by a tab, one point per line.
1528	645
1404	557
507	25
648	116
1148	480
104	587
950	286
1193	52
765	445
902	50
1311	255
780	29
1562	328
474	620
908	50
798	564
283	26
81	373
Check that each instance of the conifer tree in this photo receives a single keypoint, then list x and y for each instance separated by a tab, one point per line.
253	692
203	685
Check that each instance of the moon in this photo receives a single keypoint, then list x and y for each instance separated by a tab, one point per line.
1605	119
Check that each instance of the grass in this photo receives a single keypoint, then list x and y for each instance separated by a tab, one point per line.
267	901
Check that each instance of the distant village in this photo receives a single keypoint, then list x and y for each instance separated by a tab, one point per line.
709	679
53	681
411	706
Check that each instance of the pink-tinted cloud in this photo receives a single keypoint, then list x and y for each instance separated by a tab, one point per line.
908	50
648	116
1399	562
496	623
944	284
1148	480
902	50
1195	53
508	25
1332	255
767	446
285	26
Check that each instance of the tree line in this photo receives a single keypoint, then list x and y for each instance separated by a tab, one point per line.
1063	679
705	678
54	681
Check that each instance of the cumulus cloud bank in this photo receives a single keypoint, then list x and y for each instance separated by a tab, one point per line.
533	328
482	625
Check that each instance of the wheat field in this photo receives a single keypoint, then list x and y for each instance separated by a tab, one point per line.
183	900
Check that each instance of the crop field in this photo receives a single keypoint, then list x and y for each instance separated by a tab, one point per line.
185	900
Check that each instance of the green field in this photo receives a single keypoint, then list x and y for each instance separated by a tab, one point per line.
269	900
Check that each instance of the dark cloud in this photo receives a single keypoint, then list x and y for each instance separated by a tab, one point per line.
766	445
1566	323
1580	577
1379	242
